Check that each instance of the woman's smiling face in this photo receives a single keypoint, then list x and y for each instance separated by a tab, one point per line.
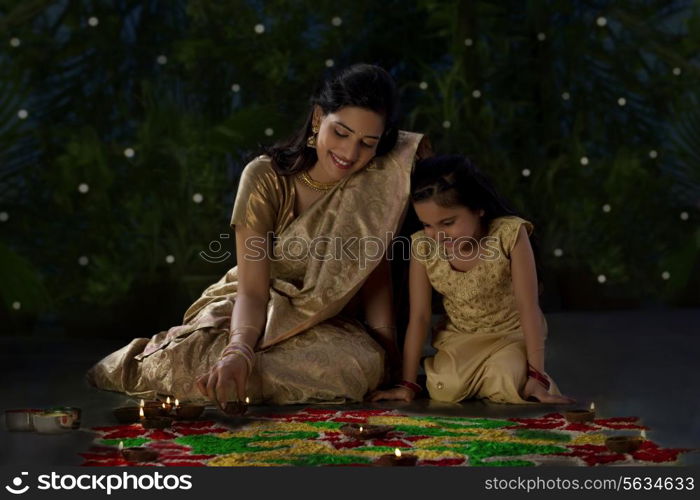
347	141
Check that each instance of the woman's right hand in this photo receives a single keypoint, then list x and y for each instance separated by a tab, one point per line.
229	375
397	393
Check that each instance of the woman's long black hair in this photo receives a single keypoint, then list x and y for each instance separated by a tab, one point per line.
360	85
453	180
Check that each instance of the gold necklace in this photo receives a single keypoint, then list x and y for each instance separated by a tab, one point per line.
315	185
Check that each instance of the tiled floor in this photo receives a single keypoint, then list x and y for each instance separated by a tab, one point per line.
630	363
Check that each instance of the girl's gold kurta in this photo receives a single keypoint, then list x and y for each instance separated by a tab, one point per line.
481	351
308	351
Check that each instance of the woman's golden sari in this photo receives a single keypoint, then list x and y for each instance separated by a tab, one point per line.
309	352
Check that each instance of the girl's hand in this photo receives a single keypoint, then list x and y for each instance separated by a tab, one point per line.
397	393
227	376
534	389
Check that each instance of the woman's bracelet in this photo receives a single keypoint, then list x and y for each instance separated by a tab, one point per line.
239	349
240	330
244	349
539	376
415	388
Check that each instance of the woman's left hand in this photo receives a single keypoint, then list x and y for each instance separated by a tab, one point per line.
535	389
397	393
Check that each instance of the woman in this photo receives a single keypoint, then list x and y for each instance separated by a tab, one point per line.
278	327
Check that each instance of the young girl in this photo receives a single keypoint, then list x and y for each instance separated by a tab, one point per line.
476	252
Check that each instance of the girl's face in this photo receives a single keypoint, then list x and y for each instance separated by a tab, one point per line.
447	224
347	141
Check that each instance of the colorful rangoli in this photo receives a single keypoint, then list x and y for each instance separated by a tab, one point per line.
312	437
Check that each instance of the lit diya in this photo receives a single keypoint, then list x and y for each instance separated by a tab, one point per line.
580	415
168	405
237	408
153	409
154	422
366	431
131	414
396	459
137	454
625	444
187	411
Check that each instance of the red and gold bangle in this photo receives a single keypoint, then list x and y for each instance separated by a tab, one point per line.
539	376
410	385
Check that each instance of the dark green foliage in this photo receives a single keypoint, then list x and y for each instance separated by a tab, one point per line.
91	92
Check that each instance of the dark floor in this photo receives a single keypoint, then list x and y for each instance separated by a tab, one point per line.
630	363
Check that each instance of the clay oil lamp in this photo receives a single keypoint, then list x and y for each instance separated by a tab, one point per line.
237	408
396	459
625	444
580	415
157	422
137	453
187	411
366	431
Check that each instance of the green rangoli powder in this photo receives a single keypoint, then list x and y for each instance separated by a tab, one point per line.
543	435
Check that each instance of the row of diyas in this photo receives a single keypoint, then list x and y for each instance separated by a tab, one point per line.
160	414
618	443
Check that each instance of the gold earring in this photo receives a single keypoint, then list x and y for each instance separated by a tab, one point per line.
311	141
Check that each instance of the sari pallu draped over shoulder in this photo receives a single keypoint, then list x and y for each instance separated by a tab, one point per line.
320	261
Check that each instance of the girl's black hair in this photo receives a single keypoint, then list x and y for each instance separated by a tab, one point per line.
360	85
454	180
